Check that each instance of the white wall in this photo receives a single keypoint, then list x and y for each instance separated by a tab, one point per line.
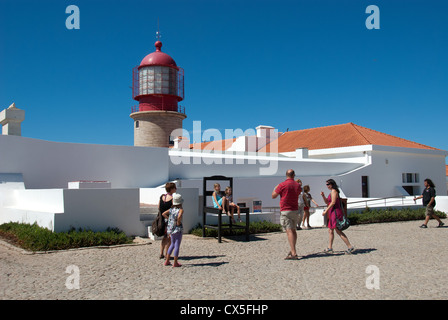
98	209
47	164
61	209
195	165
387	166
442	204
30	206
11	181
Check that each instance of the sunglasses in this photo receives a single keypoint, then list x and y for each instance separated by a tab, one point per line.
328	184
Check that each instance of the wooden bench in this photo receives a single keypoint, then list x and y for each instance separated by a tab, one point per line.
212	210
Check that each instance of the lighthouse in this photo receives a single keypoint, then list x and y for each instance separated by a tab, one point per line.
158	86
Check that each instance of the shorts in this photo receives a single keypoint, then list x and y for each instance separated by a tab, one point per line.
429	211
289	219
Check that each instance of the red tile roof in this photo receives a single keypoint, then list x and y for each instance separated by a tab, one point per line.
214	145
343	135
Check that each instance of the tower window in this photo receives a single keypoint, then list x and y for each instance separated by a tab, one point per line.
137	124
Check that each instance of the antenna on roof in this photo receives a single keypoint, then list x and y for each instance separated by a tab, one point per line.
158	35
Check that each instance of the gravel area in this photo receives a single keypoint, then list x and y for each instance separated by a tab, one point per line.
392	261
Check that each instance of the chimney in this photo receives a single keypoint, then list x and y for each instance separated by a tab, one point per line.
11	120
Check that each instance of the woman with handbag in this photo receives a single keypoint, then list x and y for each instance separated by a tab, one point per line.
334	211
165	203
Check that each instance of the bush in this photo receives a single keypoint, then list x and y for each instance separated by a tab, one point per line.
36	238
254	227
370	215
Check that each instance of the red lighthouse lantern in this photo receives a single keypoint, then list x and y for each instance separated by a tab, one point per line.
158	86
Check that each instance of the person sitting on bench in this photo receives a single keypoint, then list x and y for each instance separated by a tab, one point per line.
231	205
220	201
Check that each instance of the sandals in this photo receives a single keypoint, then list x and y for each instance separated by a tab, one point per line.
291	257
328	250
350	250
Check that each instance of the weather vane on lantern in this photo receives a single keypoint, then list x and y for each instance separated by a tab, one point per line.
158	35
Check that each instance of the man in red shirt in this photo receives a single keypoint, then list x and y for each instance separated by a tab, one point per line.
289	191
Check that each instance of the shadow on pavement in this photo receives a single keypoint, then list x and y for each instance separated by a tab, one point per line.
200	257
336	253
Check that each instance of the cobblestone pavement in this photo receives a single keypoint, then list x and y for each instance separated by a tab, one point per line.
404	261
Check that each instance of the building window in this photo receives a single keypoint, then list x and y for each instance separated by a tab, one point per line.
410	178
137	124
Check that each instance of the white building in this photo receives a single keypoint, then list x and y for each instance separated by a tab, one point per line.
35	174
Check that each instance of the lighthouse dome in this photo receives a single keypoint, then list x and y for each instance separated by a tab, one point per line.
158	58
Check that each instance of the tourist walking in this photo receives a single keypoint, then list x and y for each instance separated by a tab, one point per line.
289	191
429	201
165	203
307	199
174	229
334	212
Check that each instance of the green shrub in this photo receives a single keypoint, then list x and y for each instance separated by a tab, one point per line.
254	227
370	215
36	238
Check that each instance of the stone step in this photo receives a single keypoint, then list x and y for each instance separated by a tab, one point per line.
148	216
151	236
149	210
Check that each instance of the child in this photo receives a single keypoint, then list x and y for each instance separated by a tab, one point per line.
174	228
307	198
301	205
231	204
218	200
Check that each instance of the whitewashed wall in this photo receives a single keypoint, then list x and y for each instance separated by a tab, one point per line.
30	206
98	209
387	166
45	164
194	165
60	209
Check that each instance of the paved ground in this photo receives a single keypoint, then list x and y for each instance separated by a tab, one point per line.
411	264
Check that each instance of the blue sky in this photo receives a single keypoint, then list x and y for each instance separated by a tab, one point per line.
289	64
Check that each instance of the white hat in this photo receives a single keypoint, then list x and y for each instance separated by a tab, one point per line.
177	199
